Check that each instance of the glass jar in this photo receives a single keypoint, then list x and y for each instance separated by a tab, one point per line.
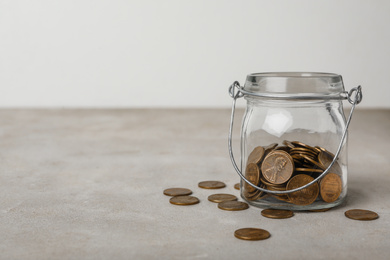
293	140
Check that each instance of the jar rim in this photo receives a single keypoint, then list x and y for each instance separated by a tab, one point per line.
295	85
296	74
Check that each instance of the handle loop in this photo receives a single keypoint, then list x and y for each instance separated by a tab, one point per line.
235	93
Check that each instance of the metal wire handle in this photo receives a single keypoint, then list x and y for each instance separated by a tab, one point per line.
235	91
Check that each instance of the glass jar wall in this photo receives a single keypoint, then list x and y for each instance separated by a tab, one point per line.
290	133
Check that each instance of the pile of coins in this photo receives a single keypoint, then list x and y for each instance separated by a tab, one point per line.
290	166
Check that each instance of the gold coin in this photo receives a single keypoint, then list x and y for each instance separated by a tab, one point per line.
277	213
325	159
211	184
305	196
252	174
251	234
256	155
177	192
184	200
233	205
361	214
330	187
277	167
237	186
220	197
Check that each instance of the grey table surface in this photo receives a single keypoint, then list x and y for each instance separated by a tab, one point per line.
88	184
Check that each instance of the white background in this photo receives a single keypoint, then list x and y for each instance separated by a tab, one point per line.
111	53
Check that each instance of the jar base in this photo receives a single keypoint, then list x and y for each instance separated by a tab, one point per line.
277	204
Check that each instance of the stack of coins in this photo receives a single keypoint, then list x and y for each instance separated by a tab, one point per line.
290	166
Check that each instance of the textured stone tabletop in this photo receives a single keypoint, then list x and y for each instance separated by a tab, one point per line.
88	184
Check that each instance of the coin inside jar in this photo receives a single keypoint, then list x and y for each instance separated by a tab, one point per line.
211	184
325	158
252	234
177	192
361	214
252	174
233	205
256	155
305	196
184	200
330	187
277	213
221	197
277	167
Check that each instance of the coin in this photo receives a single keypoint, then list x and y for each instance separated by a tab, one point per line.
256	155
312	161
251	234
237	186
269	148
277	213
177	192
283	148
320	148
211	184
330	187
308	170
258	196
325	159
289	144
220	197
361	214
233	205
252	174
277	167
297	143
305	196
184	200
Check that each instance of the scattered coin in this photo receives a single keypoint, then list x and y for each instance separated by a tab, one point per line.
251	234
256	155
361	214
221	197
277	167
305	196
184	200
237	186
211	184
177	192
330	187
233	205
277	213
